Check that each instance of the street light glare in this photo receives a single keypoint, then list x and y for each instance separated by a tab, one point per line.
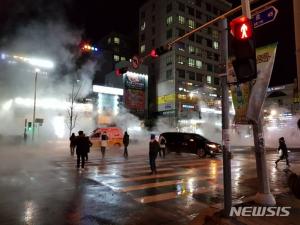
41	63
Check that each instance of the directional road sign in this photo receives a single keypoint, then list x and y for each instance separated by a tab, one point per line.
265	16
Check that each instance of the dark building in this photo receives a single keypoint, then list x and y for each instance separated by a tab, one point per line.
115	47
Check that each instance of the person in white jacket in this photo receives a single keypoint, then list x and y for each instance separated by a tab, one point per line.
162	145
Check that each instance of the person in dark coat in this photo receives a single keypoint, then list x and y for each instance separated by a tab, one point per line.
72	143
90	144
284	155
104	143
126	143
82	146
153	150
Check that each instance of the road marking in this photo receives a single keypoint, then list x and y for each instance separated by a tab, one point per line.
149	177
157	184
172	195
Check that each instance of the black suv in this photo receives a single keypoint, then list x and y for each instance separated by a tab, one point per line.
190	143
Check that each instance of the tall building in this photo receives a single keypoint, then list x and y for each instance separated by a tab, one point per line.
185	76
115	47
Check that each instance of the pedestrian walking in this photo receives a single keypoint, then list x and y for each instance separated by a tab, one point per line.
153	150
104	143
25	135
162	145
90	144
82	145
126	143
72	143
283	152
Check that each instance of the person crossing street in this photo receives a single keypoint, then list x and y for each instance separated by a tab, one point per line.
125	143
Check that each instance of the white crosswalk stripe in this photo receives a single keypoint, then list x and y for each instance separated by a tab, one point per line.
177	177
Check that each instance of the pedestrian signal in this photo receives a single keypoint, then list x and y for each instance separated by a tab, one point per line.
243	47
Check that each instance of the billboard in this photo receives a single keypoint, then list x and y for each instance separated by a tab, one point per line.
248	97
134	91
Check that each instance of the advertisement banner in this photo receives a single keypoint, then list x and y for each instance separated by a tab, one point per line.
134	81
265	58
134	99
248	97
240	98
165	99
134	92
166	102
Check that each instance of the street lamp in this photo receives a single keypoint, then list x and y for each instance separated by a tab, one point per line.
44	64
34	102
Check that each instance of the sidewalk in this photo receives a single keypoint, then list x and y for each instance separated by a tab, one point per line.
213	214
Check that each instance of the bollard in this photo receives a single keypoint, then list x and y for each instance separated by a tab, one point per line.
296	187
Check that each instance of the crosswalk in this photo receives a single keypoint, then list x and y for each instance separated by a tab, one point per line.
179	177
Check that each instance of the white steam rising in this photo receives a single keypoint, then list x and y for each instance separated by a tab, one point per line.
57	42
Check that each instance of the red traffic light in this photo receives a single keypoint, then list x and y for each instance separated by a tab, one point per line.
121	71
153	53
241	28
159	51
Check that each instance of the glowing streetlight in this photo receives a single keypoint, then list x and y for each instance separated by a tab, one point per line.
273	112
41	63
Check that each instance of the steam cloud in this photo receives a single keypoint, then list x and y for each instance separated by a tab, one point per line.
52	39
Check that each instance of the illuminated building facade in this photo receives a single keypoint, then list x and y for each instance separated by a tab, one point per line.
185	77
127	92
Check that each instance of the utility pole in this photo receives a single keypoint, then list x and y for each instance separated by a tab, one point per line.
225	122
34	104
263	196
296	8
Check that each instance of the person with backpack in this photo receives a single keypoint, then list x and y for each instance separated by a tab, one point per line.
126	143
284	152
162	145
90	144
104	143
153	150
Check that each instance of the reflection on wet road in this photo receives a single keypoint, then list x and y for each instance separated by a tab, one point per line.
121	191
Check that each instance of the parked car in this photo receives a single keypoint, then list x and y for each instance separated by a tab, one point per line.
191	143
115	136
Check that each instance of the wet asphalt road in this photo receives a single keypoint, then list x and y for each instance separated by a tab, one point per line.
40	185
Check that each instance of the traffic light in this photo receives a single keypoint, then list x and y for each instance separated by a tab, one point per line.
121	71
159	51
29	126
243	47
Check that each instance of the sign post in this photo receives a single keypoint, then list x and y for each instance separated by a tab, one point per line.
264	195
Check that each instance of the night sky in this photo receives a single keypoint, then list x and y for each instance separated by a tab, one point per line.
96	19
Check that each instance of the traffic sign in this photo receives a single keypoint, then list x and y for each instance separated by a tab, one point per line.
135	62
265	16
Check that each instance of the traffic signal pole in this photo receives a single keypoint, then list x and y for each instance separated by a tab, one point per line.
264	195
225	122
